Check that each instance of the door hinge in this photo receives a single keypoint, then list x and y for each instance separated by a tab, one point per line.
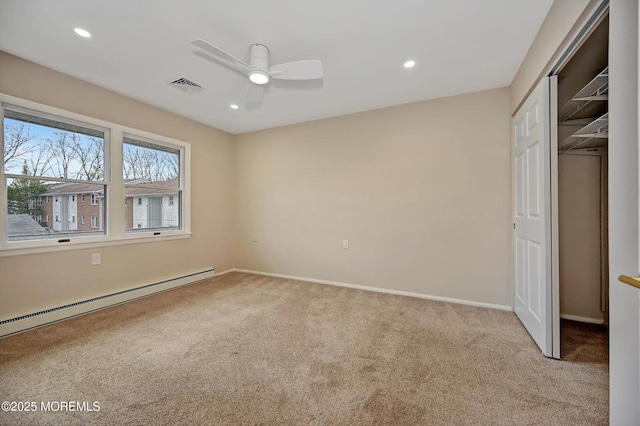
514	226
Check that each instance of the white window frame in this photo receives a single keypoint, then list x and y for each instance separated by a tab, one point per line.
184	185
115	215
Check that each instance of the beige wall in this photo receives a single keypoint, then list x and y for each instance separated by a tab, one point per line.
554	32
33	282
421	191
579	234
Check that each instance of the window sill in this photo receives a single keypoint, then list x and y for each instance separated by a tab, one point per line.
80	243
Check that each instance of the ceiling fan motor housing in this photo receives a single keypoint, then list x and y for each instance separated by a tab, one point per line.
259	61
259	57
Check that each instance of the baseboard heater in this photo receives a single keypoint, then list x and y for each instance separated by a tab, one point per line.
26	322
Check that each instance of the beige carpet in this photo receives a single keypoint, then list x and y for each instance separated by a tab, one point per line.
245	349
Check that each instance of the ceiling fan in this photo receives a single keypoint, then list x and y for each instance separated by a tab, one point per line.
259	71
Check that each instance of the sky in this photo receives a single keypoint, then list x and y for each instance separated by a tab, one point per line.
40	135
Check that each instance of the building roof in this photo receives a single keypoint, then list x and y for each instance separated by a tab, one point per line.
23	224
135	187
153	188
74	188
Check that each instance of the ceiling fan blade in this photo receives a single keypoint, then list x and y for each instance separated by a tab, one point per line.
254	94
297	70
210	48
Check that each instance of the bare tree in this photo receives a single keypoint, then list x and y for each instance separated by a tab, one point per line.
171	165
40	161
132	163
62	153
90	155
149	164
16	143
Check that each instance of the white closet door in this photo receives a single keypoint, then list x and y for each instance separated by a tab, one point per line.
532	287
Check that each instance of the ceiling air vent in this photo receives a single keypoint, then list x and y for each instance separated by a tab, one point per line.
186	85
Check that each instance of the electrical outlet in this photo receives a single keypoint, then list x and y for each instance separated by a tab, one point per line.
345	244
95	259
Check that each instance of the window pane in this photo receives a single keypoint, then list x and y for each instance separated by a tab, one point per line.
45	147
152	186
153	210
148	161
40	209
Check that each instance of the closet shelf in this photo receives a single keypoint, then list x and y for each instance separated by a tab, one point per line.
587	102
593	135
578	122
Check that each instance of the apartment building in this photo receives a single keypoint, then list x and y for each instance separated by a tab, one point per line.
79	207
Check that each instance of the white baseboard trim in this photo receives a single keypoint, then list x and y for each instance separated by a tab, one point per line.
582	319
228	271
383	290
33	320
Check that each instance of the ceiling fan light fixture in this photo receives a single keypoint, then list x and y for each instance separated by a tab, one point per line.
259	77
82	32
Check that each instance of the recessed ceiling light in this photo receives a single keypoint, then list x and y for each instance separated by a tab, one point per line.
82	32
234	106
409	64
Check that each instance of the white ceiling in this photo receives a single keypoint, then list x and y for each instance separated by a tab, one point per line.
138	46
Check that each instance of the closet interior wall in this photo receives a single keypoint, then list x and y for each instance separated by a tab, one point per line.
582	180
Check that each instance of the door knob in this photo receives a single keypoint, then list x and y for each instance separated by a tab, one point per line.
632	281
